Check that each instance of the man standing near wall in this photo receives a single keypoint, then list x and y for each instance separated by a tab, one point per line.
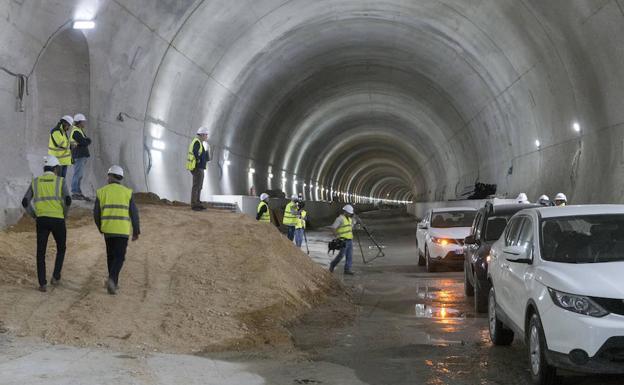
58	144
290	216
343	229
301	224
47	200
117	217
263	213
80	152
196	160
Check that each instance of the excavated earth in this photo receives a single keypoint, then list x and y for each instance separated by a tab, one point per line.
193	282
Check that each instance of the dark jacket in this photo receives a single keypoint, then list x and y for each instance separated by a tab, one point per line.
82	148
203	158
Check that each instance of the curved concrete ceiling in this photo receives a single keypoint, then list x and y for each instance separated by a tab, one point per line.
410	100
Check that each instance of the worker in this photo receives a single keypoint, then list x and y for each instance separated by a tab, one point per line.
79	143
561	200
522	198
58	144
544	200
301	223
196	160
48	200
263	213
343	229
117	217
290	216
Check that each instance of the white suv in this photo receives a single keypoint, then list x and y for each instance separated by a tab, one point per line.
557	277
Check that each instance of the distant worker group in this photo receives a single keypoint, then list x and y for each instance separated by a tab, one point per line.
560	200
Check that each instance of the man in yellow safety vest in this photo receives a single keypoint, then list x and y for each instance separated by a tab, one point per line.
263	213
59	144
47	200
117	217
343	229
290	216
196	160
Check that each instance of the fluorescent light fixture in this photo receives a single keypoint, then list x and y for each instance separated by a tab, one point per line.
270	176
252	171
305	185
576	126
84	24
227	163
283	173
537	143
158	144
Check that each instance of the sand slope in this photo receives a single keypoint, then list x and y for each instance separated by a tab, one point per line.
193	282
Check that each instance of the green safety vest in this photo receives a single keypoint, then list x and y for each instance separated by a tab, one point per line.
191	161
48	196
345	230
115	209
301	223
58	145
266	216
72	132
290	219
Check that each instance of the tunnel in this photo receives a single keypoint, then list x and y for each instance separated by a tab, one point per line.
337	100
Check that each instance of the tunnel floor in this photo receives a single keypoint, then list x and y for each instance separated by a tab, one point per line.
406	326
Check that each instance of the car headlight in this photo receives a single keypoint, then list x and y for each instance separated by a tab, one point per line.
440	241
577	303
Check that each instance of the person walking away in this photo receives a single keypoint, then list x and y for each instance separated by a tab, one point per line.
79	143
58	143
196	160
290	216
117	217
263	213
301	224
561	200
48	200
343	229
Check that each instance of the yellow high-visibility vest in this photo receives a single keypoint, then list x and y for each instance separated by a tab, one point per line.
301	223
266	216
345	230
71	134
115	209
191	161
290	219
58	145
48	196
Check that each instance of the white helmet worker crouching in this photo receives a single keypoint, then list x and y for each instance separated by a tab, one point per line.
561	199
348	209
50	161
522	198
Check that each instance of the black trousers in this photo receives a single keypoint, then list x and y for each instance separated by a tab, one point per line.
115	256
45	226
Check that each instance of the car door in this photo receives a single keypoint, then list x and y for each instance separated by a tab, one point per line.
421	232
503	289
519	273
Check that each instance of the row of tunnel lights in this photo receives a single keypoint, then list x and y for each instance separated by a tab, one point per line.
575	126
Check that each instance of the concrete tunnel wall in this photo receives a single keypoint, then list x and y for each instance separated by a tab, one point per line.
406	100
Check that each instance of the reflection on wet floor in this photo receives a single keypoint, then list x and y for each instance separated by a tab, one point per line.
425	311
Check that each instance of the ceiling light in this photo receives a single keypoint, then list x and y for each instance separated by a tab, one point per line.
576	126
252	170
537	143
84	24
270	176
227	163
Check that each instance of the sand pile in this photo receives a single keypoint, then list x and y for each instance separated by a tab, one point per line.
192	282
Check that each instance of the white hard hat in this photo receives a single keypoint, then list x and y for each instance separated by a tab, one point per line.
264	196
68	119
116	170
348	209
294	197
522	198
50	161
79	118
561	197
202	130
544	198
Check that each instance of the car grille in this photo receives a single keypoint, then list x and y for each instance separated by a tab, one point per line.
613	350
615	306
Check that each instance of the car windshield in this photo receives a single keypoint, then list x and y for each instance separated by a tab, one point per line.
453	219
495	226
583	239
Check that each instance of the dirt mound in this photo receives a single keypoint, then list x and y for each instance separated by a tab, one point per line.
193	282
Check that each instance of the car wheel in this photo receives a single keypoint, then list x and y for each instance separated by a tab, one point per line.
468	288
480	298
430	265
541	372
499	334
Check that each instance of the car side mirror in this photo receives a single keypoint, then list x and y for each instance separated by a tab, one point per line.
423	226
518	254
471	240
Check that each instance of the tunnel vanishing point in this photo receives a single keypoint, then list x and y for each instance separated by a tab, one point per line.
411	100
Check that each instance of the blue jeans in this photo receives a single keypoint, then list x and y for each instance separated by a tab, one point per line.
348	251
63	171
79	167
291	232
298	237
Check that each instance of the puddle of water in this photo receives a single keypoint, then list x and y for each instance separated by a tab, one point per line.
437	312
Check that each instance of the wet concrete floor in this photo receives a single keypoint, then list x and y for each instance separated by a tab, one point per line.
406	327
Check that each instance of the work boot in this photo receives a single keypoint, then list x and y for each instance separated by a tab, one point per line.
43	288
349	272
331	268
111	287
54	281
